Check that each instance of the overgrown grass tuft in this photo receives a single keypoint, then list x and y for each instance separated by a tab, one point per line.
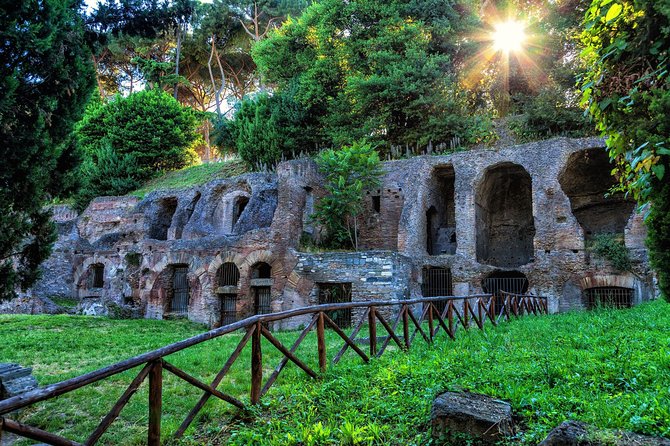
193	176
610	368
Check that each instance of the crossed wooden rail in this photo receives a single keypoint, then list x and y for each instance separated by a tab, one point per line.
458	311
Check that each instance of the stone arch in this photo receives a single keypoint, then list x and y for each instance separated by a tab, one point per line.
230	207
504	216
586	179
82	271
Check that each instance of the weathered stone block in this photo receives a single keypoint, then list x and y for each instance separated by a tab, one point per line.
575	433
469	416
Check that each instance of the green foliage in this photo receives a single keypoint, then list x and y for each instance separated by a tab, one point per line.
130	140
376	70
627	92
106	172
611	248
46	78
267	129
348	172
548	114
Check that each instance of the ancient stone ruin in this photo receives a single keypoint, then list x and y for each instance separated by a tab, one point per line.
485	221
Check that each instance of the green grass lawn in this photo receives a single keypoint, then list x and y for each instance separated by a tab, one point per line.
610	368
193	176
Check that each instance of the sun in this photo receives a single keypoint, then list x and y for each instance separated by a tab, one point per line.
509	36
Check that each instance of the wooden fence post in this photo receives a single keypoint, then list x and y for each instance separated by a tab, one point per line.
431	327
321	340
405	325
256	364
372	327
155	402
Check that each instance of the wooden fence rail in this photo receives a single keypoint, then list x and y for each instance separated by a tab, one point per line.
459	311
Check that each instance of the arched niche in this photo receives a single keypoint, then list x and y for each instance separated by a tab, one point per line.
587	182
162	219
261	287
504	216
441	212
226	286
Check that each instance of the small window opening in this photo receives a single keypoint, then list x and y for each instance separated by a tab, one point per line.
97	276
261	271
332	293
376	203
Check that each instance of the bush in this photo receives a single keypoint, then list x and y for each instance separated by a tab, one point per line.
348	173
612	248
266	129
130	140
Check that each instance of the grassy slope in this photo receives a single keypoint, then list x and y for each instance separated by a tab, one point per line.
609	368
192	176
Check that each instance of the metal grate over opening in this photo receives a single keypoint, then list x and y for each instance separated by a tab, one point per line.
262	299
179	304
228	308
496	285
437	282
614	297
335	293
229	274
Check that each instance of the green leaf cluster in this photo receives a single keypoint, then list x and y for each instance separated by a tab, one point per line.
348	173
611	248
46	78
627	92
381	71
142	135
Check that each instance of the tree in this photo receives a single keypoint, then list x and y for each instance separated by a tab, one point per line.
348	171
266	129
627	92
46	77
148	129
377	70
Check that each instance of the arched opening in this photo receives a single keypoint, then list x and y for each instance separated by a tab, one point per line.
610	296
441	214
497	282
239	205
504	216
261	287
227	280
163	218
170	294
437	282
587	182
186	216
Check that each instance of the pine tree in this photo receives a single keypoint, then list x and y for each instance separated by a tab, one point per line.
46	78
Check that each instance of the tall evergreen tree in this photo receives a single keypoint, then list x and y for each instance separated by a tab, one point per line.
46	78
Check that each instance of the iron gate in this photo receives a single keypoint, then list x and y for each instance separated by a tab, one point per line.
437	282
228	308
179	305
496	285
615	297
262	299
335	293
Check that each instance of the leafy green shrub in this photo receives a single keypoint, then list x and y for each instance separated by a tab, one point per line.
549	114
130	140
266	129
611	248
348	173
658	237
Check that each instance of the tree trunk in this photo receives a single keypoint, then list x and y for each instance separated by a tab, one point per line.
177	57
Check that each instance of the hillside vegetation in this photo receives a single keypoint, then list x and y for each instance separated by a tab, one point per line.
610	368
193	176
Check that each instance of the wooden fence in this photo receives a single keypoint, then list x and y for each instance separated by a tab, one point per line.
458	312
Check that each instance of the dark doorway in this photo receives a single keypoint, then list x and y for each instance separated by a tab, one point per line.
335	293
239	206
504	216
261	287
163	219
97	277
498	282
587	181
441	215
262	300
437	282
